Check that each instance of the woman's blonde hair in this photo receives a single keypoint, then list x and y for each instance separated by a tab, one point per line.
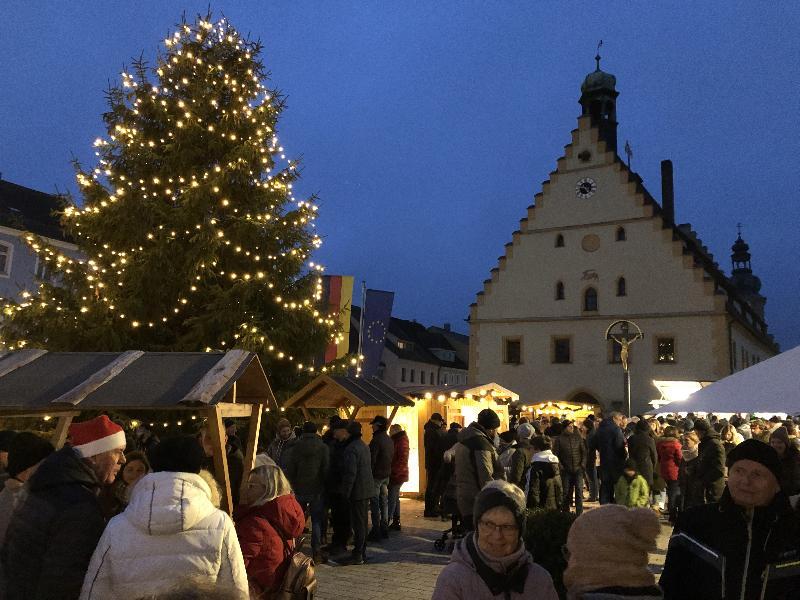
272	478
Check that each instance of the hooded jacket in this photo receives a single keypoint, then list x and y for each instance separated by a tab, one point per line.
307	465
544	487
399	474
476	463
54	531
169	531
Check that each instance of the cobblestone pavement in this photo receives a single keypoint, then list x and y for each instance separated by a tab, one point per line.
405	566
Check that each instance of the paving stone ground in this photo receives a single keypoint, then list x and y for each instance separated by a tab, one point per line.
406	566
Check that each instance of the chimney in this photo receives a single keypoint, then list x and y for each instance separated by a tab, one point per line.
446	327
667	192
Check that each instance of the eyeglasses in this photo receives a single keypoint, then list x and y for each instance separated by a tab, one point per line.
490	527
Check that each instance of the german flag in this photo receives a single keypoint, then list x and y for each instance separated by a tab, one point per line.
337	294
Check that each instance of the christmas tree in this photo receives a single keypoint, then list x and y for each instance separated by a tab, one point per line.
192	234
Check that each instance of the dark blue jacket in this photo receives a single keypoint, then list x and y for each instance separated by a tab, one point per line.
611	446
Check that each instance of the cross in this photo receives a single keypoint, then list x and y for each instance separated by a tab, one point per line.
597	56
629	152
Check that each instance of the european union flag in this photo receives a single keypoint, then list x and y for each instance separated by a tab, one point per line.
375	323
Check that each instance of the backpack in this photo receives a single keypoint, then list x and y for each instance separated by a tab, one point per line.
300	581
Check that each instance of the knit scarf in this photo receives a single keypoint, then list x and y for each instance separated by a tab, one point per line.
513	580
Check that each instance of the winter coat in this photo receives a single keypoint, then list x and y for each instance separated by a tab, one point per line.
434	446
711	466
55	529
520	462
634	493
9	497
307	465
168	532
356	482
399	474
381	450
747	541
544	487
460	579
570	448
266	535
642	450
690	484
611	446
621	593
476	463
790	472
669	458
278	449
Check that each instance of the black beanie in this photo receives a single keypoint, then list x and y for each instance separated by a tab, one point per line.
6	436
501	493
701	425
488	419
26	450
354	428
309	427
182	454
759	452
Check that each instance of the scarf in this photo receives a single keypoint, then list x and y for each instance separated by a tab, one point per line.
513	580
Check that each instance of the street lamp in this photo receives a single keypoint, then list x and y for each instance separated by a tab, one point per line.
624	333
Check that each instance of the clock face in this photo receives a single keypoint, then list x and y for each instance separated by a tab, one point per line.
585	188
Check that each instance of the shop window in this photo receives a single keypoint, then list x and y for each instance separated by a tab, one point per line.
512	351
665	350
433	381
422	377
559	241
561	351
403	374
560	291
412	376
590	300
621	291
621	234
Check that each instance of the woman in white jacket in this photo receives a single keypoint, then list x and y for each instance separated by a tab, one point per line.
169	533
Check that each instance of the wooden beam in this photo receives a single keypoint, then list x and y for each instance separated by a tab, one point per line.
217	432
306	413
235	410
62	430
393	414
355	412
18	359
39	415
217	378
98	379
252	444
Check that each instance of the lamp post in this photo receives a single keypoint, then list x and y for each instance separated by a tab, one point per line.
624	333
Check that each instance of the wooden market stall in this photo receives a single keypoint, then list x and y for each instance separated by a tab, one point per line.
216	385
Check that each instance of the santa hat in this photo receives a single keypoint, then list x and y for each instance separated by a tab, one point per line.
96	436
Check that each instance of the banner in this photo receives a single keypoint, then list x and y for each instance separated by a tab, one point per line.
337	295
377	311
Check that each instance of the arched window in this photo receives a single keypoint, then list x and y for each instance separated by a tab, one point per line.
559	241
621	291
621	234
590	299
560	291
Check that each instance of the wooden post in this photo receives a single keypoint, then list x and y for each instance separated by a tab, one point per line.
216	430
252	444
355	412
393	414
61	432
306	413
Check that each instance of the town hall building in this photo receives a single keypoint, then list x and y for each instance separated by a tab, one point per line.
594	248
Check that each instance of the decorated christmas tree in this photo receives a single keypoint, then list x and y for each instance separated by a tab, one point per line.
192	235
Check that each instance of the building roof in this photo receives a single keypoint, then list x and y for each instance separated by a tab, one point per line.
338	391
30	210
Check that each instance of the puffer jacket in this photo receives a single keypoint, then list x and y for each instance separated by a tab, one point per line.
633	494
544	487
307	465
476	464
381	449
356	482
266	534
461	579
54	531
570	448
399	474
520	463
169	531
669	457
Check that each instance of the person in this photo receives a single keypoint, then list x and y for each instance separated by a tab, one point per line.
544	486
521	461
632	489
642	450
169	530
611	447
727	435
381	449
591	458
279	447
115	498
235	462
759	430
615	569
507	449
752	525
669	462
399	473
790	461
56	527
307	469
570	448
357	485
476	462
690	484
434	456
492	561
6	436
336	499
711	461
144	439
267	525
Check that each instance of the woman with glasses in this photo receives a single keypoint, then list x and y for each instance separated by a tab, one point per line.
492	561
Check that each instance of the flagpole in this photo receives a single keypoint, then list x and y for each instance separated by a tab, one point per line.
361	325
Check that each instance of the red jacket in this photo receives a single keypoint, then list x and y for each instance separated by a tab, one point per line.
669	458
399	473
266	535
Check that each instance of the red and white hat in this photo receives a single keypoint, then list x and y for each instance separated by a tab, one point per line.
96	436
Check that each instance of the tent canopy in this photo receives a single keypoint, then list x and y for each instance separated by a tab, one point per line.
772	385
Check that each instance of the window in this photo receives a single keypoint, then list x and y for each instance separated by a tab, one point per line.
559	241
412	376
621	234
5	260
590	299
422	377
734	357
665	350
512	351
621	287
561	350
403	374
560	291
42	272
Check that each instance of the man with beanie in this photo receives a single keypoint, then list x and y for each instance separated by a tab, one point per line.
710	461
357	486
381	449
434	459
57	525
752	526
170	531
521	461
477	462
607	553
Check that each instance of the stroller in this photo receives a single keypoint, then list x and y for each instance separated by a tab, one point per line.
446	485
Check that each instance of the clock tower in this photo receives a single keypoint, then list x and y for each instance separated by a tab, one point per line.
599	101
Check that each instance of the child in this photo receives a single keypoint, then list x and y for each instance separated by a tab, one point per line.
632	489
543	481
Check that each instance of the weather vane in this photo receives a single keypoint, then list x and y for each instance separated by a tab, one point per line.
597	56
739	229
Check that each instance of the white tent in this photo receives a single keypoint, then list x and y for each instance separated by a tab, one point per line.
771	386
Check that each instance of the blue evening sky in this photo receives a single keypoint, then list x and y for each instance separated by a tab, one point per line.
427	127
